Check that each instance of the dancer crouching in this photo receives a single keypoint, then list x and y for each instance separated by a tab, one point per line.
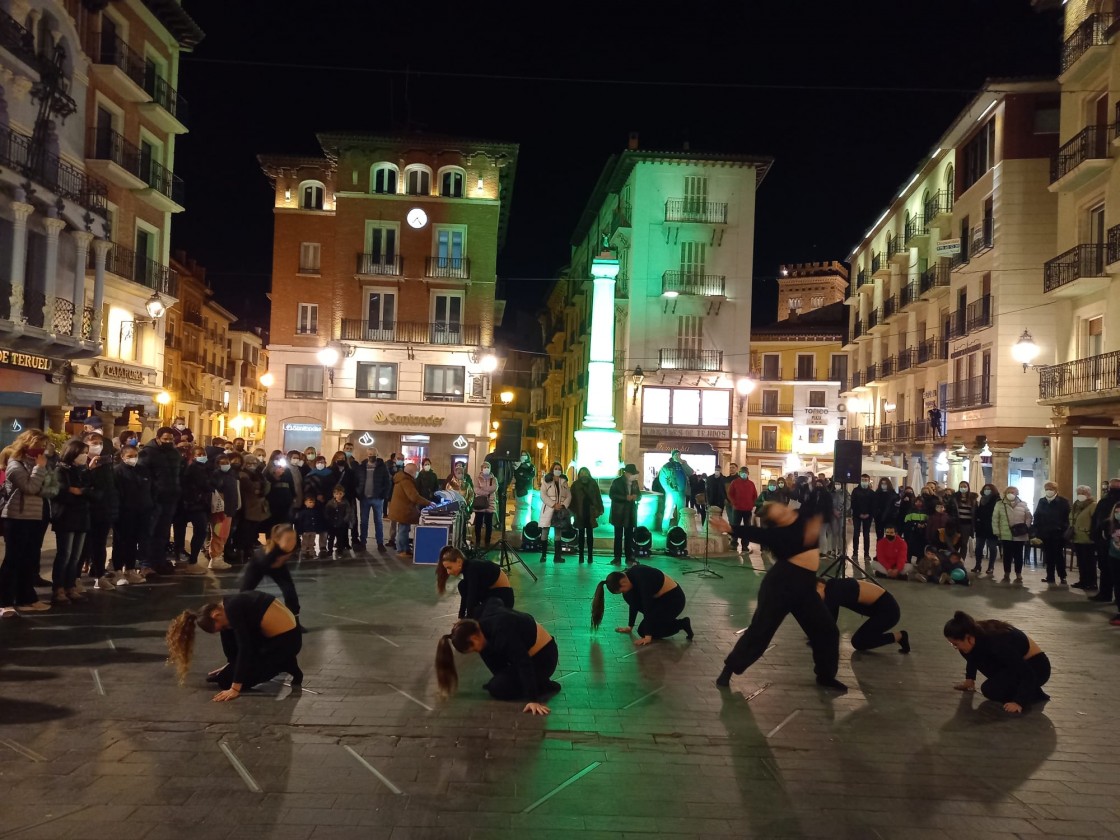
481	580
271	560
519	652
260	638
652	593
1014	664
869	600
789	587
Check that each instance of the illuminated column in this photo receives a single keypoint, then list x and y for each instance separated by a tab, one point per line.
597	441
82	240
100	251
50	280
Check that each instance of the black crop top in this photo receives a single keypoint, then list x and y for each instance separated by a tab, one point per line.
245	612
844	592
479	576
510	635
784	541
647	582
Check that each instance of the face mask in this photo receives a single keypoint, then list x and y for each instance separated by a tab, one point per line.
782	486
166	444
939	509
1050	494
963	488
557	473
771	487
1011	497
882	487
180	426
201	459
320	465
427	468
987	492
1117	516
486	471
228	451
400	463
864	483
132	441
1081	497
890	537
224	467
348	453
296	462
742	475
96	449
80	460
131	461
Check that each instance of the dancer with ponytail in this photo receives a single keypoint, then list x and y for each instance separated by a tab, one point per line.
271	560
260	638
481	580
519	652
1014	664
648	591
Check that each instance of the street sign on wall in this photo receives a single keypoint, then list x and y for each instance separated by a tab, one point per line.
948	248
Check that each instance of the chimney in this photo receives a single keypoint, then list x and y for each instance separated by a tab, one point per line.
632	142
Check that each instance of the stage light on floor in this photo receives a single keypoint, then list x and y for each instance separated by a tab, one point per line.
568	538
643	541
531	537
676	542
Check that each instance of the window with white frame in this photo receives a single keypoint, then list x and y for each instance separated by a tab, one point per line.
307	321
309	258
690	333
451	245
383	178
444	383
376	381
418	179
451	181
691	407
381	253
303	381
816	399
381	315
806	366
311	195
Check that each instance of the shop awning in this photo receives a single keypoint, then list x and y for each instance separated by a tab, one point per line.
112	399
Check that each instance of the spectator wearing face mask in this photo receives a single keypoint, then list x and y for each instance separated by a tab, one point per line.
321	481
460	482
1081	523
485	489
281	490
891	560
426	480
128	438
863	512
884	508
216	448
255	511
194	510
964	511
372	482
743	496
298	471
134	522
165	466
404	509
1051	518
70	520
183	434
104	507
1011	522
26	515
841	512
225	502
914	528
556	496
986	540
1102	533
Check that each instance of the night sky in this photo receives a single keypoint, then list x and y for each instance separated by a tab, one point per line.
847	106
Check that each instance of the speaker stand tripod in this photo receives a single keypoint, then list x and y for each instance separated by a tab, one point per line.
507	557
706	570
838	568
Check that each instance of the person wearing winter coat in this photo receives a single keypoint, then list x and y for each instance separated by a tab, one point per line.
624	494
460	482
309	522
841	512
104	508
884	507
255	511
134	522
1011	522
675	477
225	503
1081	521
743	496
70	520
427	482
986	540
404	506
964	503
1051	518
320	482
863	515
1102	529
485	487
371	478
556	497
165	466
26	514
338	515
281	490
194	510
587	507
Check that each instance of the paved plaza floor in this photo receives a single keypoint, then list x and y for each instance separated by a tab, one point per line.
98	741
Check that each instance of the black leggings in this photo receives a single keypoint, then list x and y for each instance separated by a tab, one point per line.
259	567
502	593
874	633
788	589
661	622
94	550
273	656
861	526
1086	563
1012	551
1019	684
506	683
585	535
483	518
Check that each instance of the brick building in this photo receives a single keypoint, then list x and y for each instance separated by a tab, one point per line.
383	293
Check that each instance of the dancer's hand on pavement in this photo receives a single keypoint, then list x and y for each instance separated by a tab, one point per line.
536	709
1013	708
642	642
228	694
626	630
967	685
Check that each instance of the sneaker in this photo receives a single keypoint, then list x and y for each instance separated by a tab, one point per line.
121	578
1004	579
192	569
34	606
381	547
9	612
945	579
78	586
104	583
990	573
75	596
1062	582
1018	578
134	576
219	565
919	577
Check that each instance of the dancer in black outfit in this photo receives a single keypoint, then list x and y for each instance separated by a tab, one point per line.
271	560
789	587
870	600
481	580
652	593
1014	664
260	638
519	652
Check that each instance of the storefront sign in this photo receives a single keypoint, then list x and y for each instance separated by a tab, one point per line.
460	442
366	439
684	448
815	419
124	373
382	417
302	427
964	351
686	432
29	361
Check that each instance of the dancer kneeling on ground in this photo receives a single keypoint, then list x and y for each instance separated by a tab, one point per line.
870	600
260	638
1015	666
481	580
652	593
788	587
271	560
519	652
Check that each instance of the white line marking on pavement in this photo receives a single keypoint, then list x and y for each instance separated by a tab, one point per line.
410	697
245	775
22	750
390	641
757	692
562	785
97	681
567	675
373	770
287	684
790	717
344	618
109	642
643	697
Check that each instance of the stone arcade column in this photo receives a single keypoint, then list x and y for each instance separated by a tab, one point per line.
1061	451
81	240
20	214
100	252
598	442
50	280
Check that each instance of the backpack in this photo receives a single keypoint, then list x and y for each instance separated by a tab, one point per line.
51	484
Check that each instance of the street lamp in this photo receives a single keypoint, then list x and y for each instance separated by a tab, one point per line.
638	377
489	363
540	444
267	379
745	387
155	307
163	398
328	358
506	397
1025	351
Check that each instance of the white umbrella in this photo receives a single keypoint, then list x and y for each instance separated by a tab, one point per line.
881	470
814	467
915	478
976	473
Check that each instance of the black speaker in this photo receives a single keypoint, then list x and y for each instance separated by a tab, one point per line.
508	444
847	461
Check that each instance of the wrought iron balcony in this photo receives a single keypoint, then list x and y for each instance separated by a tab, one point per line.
1080	379
862	277
935	277
915	226
979	314
908	294
162	180
855	381
22	154
106	144
931	350
857	329
769	409
922	430
1113	243
981	238
1079	261
772	446
1092	32
906	359
969	393
410	332
380	264
886	368
126	263
902	430
673	358
448	268
869	374
1089	144
890	307
896	248
958	324
940	203
165	96
886	433
688	283
17	39
870	434
696	210
872	319
114	51
877	262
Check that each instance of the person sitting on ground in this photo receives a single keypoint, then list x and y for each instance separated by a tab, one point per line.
1014	664
927	566
260	638
480	581
953	570
867	599
519	652
890	556
649	591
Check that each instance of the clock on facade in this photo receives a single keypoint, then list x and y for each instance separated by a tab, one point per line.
417	218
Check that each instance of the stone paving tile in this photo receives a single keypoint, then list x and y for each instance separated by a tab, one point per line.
902	755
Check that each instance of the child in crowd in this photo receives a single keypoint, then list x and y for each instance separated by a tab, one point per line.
953	571
339	515
309	522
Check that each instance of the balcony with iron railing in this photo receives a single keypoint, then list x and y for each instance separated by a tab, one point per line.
908	294
890	308
886	433
902	430
981	238
389	265
975	392
1092	32
30	159
107	146
886	368
675	283
870	434
126	263
410	332
674	358
765	408
1113	250
870	374
958	324
129	68
165	96
1086	153
877	263
932	350
192	317
872	320
934	278
978	315
862	278
855	381
857	329
448	268
165	186
619	219
1080	380
896	248
915	227
1083	263
922	430
17	39
696	210
938	204
906	359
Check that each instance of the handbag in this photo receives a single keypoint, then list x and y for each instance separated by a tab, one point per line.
481	503
217	502
561	518
1020	529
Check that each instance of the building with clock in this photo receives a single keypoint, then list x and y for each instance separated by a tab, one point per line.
383	294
